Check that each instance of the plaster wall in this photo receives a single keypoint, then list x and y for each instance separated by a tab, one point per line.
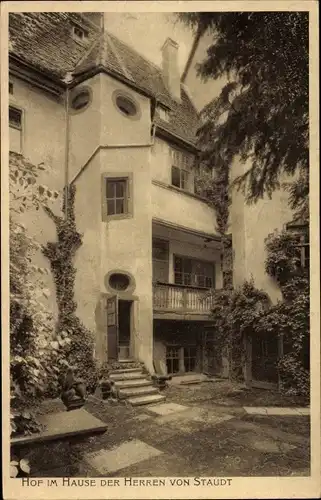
250	225
43	140
179	208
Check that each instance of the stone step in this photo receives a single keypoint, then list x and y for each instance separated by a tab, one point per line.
137	391
128	384
127	376
146	400
126	360
125	370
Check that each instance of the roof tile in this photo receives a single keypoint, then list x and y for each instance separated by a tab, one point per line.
45	41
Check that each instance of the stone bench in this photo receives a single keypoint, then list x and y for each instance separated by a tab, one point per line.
60	446
63	426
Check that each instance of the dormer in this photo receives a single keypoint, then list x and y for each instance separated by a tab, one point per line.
79	33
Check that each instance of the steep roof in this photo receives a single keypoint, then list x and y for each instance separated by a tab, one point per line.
45	41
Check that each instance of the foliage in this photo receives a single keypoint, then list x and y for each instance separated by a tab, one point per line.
80	351
19	468
283	256
216	190
31	325
289	318
235	313
261	114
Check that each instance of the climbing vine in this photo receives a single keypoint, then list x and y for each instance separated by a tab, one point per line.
290	317
234	315
80	351
214	186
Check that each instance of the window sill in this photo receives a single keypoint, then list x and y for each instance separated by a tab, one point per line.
179	190
109	218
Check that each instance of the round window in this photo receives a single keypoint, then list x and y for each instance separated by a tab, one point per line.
119	281
126	106
80	100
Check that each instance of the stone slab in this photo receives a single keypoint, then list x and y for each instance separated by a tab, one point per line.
167	408
254	410
120	457
269	445
199	415
63	425
277	411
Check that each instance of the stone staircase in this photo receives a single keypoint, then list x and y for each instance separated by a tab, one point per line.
134	386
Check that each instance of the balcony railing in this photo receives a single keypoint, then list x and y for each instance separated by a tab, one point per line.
170	297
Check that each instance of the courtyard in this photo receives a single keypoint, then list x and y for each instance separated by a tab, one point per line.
209	429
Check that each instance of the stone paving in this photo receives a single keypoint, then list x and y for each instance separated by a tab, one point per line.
276	411
171	439
180	440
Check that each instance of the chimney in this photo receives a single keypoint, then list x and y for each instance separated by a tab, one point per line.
170	68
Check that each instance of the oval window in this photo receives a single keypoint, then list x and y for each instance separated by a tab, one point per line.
119	281
126	106
80	100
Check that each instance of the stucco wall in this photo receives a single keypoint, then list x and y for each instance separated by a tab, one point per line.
43	140
117	244
250	225
182	209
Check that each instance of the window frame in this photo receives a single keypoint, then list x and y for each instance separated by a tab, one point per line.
119	176
13	106
183	161
193	276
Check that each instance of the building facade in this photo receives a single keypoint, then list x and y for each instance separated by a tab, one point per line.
122	130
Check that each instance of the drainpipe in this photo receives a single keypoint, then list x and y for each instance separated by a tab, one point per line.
67	80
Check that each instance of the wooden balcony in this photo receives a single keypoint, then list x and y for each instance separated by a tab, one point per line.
171	301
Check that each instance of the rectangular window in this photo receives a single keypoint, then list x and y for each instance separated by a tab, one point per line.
182	170
116	193
192	272
172	359
15	129
116	196
190	358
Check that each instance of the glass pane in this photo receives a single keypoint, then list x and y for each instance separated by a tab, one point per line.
178	264
120	207
15	117
110	189
175	176
111	207
178	278
175	366
187	264
187	279
184	179
120	189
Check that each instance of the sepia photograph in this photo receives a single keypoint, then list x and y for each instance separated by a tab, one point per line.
158	185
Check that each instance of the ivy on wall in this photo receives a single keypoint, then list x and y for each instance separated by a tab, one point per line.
80	351
215	188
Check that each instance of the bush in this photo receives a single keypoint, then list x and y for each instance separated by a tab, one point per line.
32	354
235	313
289	318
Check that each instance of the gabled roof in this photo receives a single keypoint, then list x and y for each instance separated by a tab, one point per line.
45	41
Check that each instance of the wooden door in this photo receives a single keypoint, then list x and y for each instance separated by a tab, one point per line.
112	327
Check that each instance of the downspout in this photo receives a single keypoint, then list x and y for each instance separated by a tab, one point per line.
67	80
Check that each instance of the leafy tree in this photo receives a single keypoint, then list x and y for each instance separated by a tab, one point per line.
261	114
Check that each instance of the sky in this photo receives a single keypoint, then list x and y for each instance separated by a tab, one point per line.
147	31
